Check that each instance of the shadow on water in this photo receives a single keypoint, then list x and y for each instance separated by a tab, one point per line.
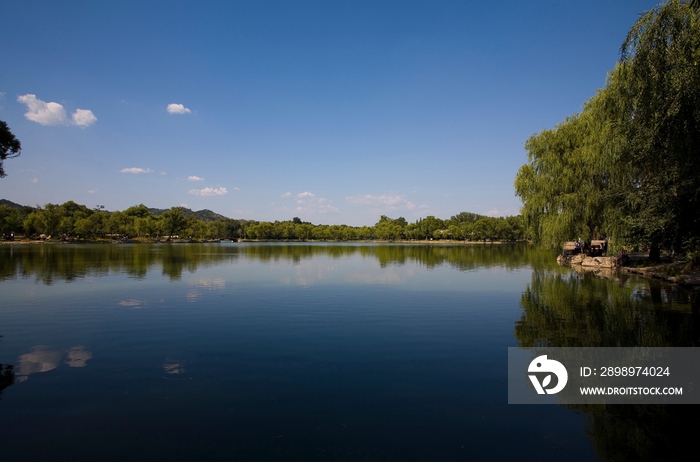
7	375
583	310
51	263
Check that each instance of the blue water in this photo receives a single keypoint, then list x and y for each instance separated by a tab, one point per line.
249	352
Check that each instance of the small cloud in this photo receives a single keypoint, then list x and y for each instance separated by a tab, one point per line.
287	194
493	213
130	302
34	180
83	118
209	191
42	112
194	178
136	170
236	188
178	109
53	113
92	191
305	194
183	205
163	173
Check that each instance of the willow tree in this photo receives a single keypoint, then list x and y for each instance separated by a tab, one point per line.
562	185
655	105
627	165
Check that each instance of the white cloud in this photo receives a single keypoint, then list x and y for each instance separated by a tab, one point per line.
209	191
389	201
163	173
84	117
178	109
34	180
236	188
92	191
309	203
53	113
183	206
42	112
194	178
136	170
493	213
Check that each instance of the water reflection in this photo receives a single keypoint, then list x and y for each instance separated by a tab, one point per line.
44	359
51	263
78	356
7	375
583	310
173	366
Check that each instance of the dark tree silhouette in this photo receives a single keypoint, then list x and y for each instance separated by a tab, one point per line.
9	146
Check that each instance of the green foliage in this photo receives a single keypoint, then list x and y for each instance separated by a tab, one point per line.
76	221
9	146
627	165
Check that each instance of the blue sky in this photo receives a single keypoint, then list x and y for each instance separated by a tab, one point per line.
332	111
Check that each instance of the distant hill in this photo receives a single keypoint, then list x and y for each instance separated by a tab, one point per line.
11	204
204	215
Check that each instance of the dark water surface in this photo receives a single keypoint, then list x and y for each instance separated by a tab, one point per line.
315	352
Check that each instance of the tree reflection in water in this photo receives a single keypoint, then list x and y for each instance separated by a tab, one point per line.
49	263
583	310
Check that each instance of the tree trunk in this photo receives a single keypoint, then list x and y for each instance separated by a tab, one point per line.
654	252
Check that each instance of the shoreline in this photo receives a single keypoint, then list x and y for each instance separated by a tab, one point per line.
241	241
672	272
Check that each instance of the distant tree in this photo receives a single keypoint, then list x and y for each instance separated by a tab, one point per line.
10	219
173	221
9	146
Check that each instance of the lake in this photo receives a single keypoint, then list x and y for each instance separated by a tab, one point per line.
245	351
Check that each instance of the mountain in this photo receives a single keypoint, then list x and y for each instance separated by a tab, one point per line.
11	204
204	215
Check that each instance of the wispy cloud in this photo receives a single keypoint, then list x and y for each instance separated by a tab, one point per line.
236	188
174	108
53	113
136	170
34	180
389	201
209	191
308	202
92	191
194	178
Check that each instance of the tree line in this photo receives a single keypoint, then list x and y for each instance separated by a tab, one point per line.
626	167
76	221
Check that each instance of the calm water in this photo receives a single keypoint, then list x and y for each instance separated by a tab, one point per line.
315	352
